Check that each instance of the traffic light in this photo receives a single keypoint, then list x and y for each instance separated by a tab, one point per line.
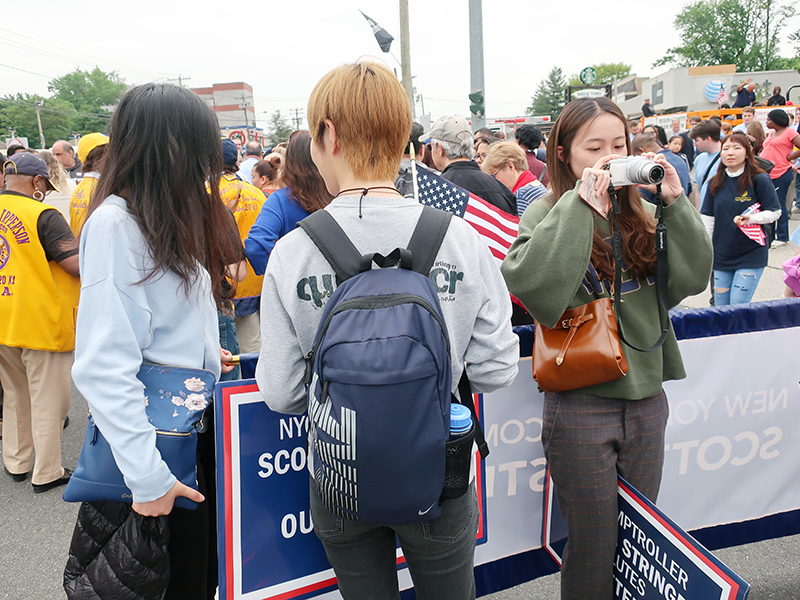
477	107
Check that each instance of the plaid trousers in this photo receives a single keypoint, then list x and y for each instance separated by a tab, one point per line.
587	441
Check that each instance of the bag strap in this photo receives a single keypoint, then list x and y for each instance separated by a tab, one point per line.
427	238
333	243
662	269
347	261
708	171
465	392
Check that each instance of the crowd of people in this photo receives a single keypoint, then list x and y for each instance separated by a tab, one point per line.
189	253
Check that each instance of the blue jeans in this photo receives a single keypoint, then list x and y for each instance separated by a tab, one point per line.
735	287
229	341
797	190
440	554
782	184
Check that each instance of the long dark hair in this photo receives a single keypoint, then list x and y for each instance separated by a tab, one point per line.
164	147
301	175
750	165
635	224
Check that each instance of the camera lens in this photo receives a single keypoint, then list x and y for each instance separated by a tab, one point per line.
644	171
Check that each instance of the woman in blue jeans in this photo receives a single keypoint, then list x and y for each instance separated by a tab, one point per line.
740	194
778	148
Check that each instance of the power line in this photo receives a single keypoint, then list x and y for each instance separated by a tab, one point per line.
62	50
58	110
25	71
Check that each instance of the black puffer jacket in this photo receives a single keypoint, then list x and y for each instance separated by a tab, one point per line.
117	554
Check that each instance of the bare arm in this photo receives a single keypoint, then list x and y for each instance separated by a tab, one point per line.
237	271
796	154
70	265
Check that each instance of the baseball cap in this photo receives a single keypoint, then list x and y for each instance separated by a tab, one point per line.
25	163
230	153
89	142
448	129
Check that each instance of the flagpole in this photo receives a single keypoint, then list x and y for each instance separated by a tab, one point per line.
405	55
414	181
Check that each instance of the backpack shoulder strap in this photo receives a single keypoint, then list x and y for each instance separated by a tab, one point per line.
333	243
427	238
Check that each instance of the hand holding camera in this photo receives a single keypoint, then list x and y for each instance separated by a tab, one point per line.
594	186
650	169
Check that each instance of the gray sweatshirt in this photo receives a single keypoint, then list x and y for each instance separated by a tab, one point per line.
299	281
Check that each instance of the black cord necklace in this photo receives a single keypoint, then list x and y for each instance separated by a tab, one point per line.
364	193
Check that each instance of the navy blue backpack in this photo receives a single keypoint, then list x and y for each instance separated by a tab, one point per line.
379	379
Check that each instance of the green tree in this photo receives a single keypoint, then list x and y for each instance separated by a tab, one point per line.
741	32
794	38
91	92
279	129
606	73
549	97
19	113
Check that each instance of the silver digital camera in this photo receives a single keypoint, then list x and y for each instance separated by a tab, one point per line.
635	170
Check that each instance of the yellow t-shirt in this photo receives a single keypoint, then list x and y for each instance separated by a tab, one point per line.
245	200
79	202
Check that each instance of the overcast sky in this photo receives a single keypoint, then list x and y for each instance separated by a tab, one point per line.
283	48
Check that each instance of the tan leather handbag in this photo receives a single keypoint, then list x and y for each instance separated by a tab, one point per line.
583	349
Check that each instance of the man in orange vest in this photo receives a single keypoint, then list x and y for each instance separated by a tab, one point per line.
39	290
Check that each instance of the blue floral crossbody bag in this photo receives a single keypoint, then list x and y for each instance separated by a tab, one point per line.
175	401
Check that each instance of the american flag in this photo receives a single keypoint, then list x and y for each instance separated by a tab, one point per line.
497	228
753	230
723	95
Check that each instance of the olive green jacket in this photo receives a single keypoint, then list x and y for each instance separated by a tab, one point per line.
546	268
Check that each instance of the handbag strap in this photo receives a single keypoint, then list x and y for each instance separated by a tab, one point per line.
571	324
662	269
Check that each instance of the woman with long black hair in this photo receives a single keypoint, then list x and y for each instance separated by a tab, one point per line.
151	258
562	260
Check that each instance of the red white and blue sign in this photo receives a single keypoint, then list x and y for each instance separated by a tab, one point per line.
267	546
655	558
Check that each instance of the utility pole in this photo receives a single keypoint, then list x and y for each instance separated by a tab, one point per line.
476	59
39	104
180	80
243	106
297	118
405	56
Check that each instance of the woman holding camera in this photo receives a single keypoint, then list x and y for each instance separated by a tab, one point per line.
740	194
562	260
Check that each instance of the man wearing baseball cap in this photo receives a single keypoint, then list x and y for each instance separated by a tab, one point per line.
451	148
245	201
39	290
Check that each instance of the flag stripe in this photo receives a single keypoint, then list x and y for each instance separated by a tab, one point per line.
497	228
491	238
501	223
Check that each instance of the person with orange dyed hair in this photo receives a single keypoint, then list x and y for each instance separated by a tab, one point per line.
360	120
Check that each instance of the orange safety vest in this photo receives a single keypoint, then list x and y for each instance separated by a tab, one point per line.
246	201
38	299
